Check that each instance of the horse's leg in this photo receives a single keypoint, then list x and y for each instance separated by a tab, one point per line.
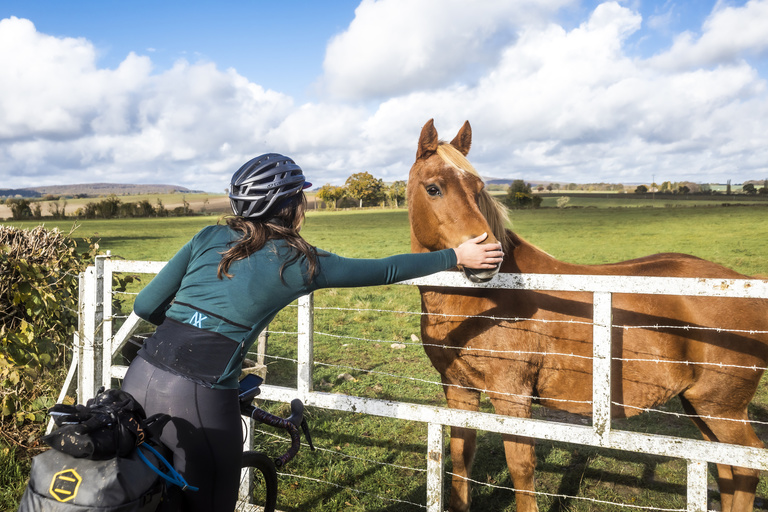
520	454
521	460
737	485
463	444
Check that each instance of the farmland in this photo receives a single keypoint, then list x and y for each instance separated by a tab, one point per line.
735	236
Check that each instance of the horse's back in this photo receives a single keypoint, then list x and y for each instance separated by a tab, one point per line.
668	264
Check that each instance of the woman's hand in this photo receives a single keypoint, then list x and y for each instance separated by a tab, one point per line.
475	254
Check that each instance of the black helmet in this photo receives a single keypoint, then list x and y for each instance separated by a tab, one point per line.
261	182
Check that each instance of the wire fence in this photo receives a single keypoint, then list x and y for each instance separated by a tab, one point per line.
306	360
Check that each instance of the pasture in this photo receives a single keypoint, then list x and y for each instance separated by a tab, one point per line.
354	350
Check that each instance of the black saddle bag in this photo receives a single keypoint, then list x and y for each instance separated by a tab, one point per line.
94	463
61	483
112	424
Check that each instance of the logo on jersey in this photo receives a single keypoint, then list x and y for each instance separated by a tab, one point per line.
197	320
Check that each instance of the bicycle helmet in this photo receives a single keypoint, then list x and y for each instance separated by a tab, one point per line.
262	182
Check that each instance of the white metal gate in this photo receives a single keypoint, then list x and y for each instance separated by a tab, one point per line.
95	346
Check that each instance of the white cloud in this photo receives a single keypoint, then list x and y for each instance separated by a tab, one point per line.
395	46
545	101
61	115
570	105
729	34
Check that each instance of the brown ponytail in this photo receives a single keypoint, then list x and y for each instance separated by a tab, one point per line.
283	225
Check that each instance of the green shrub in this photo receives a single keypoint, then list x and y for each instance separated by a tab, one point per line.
38	314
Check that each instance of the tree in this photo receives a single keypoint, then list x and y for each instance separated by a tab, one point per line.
330	194
19	207
641	189
160	211
396	192
519	195
365	188
57	208
108	208
144	208
749	188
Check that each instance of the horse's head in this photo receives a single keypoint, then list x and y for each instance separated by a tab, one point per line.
447	200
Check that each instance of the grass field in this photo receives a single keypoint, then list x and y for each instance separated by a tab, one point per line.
734	236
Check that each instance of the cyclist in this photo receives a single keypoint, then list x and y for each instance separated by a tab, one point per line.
219	291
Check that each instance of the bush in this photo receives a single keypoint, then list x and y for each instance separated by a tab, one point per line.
38	314
519	195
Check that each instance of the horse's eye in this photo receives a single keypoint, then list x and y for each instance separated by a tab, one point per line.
433	191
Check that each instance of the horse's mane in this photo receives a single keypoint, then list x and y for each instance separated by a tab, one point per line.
494	212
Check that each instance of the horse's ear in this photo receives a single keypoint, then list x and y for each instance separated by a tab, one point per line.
463	139
427	140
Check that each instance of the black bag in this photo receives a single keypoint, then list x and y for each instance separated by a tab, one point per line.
61	483
110	425
100	460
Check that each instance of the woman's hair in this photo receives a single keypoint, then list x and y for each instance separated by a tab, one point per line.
283	224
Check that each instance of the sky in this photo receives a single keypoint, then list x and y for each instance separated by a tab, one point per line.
571	91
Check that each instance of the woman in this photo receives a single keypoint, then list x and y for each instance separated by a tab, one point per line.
219	291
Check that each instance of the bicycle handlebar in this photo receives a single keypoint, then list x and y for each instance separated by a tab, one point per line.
291	424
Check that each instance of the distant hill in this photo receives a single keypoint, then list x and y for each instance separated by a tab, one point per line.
94	190
23	192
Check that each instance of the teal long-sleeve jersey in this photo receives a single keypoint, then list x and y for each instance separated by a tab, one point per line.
188	290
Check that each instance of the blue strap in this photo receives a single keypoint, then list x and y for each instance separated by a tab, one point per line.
173	477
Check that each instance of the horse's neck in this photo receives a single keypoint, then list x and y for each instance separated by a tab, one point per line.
529	259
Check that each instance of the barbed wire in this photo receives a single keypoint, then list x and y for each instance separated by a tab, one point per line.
656	327
516	395
544	320
357	491
337	453
553	495
691	416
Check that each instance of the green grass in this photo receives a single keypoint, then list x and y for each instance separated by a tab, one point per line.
735	237
13	475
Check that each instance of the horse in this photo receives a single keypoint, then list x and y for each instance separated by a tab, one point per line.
525	357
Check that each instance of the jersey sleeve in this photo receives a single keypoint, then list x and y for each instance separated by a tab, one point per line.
155	298
340	272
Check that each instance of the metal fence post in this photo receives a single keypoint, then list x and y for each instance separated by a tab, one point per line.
246	475
306	351
697	486
261	347
87	357
601	365
435	456
106	313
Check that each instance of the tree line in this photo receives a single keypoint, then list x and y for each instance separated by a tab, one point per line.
364	190
110	207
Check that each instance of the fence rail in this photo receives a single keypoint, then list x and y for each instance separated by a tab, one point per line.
96	345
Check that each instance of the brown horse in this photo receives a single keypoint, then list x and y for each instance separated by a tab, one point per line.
448	205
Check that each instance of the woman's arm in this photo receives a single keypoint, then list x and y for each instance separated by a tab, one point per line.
153	300
336	271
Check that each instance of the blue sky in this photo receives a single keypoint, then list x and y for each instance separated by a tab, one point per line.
559	90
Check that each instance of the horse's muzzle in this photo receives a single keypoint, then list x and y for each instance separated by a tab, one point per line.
480	276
